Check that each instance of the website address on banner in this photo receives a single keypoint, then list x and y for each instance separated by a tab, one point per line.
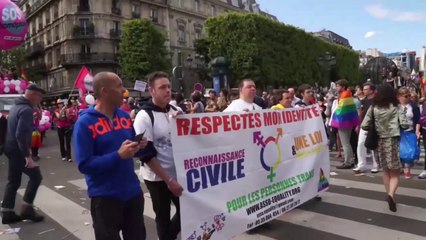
275	199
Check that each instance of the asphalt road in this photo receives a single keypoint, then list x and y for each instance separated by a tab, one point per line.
353	208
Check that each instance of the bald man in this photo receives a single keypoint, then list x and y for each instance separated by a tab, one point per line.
105	144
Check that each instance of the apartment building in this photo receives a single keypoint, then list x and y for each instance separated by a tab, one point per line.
64	35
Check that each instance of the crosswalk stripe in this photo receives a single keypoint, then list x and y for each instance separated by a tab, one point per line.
71	216
377	187
148	209
405	211
344	227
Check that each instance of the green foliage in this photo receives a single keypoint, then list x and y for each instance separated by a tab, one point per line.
142	50
274	54
12	60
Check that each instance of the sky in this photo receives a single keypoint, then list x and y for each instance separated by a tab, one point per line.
388	25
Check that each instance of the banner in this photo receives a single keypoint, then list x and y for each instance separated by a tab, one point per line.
140	86
241	170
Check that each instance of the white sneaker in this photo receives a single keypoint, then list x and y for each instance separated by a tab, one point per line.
70	160
64	159
374	170
422	175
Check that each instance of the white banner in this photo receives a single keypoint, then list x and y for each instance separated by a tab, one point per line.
242	170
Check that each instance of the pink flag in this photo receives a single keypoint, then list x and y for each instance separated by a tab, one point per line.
84	80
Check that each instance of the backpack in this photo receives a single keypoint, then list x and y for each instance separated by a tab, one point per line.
151	114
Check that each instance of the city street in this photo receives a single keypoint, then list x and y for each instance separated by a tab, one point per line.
353	208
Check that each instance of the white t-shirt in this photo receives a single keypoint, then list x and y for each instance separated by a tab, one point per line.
160	135
239	105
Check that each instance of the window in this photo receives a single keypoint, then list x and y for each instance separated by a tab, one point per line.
197	5
115	4
213	10
136	8
153	14
180	3
181	33
197	33
116	49
116	26
85	49
84	26
58	56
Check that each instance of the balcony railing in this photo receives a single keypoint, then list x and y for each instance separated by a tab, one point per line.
116	10
88	58
36	48
84	32
115	33
83	8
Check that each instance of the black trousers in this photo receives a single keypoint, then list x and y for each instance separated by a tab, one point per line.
64	135
110	216
16	168
354	145
34	152
167	229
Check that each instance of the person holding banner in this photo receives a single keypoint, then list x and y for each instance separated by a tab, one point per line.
245	103
159	171
284	100
105	144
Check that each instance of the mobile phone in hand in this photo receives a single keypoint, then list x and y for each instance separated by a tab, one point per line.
139	137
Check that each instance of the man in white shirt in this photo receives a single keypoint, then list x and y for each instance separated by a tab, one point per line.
245	103
159	171
293	94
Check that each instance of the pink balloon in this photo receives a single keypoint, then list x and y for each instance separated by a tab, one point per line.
23	85
13	25
12	88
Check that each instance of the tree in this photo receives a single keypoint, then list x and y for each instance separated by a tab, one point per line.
12	60
142	50
274	54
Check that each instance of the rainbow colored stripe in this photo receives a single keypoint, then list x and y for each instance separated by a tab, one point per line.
345	115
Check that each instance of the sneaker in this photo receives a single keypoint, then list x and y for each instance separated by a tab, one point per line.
422	175
374	170
64	159
70	160
408	175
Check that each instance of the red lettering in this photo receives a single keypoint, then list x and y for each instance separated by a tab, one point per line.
92	128
257	120
267	118
289	116
315	111
235	122
244	116
125	123
217	121
117	125
207	127
251	120
185	162
226	123
195	126
182	125
101	128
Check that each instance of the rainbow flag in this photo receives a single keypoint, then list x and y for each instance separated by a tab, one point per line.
346	115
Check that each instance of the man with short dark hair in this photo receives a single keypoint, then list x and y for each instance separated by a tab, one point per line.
159	171
305	90
17	149
246	102
284	100
105	145
368	91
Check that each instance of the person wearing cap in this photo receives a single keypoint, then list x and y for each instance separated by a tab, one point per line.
63	121
17	150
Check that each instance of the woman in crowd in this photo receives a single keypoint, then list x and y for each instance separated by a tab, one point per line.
212	102
388	119
196	106
223	100
412	113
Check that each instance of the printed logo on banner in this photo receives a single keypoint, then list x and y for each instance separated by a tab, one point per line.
323	182
209	230
258	139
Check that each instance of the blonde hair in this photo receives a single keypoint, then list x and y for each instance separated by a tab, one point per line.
403	91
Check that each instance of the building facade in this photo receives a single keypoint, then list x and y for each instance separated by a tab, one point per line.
332	37
64	35
406	59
